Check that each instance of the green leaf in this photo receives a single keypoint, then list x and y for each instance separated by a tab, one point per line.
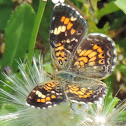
110	103
48	67
121	4
122	116
8	108
18	34
5	12
45	23
109	8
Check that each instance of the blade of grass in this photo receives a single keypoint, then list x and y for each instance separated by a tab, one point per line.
35	29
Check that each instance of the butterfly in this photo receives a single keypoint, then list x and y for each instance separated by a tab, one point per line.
81	62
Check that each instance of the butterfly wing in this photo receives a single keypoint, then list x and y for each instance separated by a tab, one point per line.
95	57
46	95
86	91
67	30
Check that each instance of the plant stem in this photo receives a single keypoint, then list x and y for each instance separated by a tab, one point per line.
35	29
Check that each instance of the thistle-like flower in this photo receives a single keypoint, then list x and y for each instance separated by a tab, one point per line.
104	113
22	114
16	112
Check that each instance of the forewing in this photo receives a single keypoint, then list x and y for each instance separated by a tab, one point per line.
86	91
46	95
67	30
95	57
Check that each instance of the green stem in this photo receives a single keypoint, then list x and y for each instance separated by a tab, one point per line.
35	29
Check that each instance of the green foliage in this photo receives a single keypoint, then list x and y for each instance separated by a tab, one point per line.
45	23
35	29
121	4
8	108
122	116
5	12
109	8
110	103
18	32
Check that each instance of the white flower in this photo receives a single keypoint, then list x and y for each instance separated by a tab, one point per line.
105	113
58	1
21	86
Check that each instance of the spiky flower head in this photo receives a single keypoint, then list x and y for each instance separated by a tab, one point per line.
104	113
20	113
16	112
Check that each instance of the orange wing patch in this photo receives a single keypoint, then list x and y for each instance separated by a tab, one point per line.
41	100
98	49
44	100
101	55
59	48
89	56
72	31
80	92
67	22
48	98
81	62
49	86
92	59
92	54
85	57
63	18
69	26
95	47
101	61
60	53
81	53
87	52
53	96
